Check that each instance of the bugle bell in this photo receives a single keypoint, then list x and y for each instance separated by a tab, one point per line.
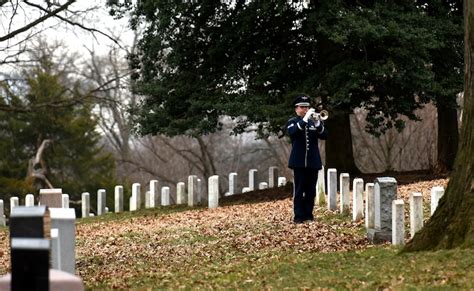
321	115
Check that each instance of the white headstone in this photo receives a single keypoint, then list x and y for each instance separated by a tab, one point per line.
332	189
416	213
165	196
262	185
65	200
344	183
320	188
86	204
192	190
436	193
358	199
385	191
398	222
147	199
101	200
245	189
2	213
272	177
369	205
232	183
181	193
55	249
154	194
14	202
133	203
253	179
118	198
213	186
29	200
281	181
64	220
201	197
137	196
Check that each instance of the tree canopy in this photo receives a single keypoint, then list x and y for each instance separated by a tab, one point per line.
198	60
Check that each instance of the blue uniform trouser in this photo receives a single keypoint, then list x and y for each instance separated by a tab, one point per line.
304	192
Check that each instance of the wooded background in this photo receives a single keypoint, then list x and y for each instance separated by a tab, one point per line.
204	87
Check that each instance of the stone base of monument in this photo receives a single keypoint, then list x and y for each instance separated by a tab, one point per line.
379	236
58	281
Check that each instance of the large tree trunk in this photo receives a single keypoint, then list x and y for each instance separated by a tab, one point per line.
452	224
339	154
37	168
448	137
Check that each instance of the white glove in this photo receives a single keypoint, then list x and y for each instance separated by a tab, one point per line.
308	115
317	123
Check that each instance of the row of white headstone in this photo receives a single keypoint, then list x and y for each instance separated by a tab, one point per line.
156	197
415	211
193	197
29	201
376	207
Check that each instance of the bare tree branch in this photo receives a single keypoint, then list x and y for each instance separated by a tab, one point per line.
208	160
13	15
139	166
48	15
180	152
90	29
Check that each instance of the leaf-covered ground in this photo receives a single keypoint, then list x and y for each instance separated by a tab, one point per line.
153	248
185	241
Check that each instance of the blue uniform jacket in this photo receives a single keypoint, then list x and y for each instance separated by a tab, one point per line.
304	140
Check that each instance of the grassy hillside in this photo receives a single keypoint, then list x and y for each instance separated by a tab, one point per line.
250	242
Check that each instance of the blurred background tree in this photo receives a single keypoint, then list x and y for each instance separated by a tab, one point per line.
50	104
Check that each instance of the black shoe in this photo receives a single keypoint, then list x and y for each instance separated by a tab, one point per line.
298	221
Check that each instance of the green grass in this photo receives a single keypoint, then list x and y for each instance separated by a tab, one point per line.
375	268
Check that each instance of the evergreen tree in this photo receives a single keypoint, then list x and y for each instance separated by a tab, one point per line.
51	106
447	74
198	60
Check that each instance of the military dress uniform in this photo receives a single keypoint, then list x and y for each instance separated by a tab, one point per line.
305	161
